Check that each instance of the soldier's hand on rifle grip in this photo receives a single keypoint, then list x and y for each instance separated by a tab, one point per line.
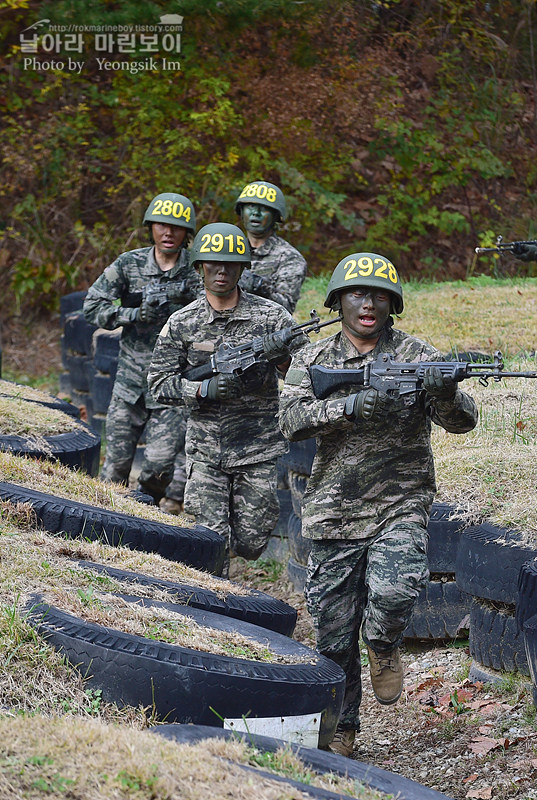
148	312
177	291
221	387
275	346
442	387
364	405
524	252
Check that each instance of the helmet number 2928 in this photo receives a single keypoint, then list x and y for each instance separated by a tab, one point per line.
367	267
215	243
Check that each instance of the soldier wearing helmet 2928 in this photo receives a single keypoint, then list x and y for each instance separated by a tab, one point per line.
120	297
232	438
277	269
367	502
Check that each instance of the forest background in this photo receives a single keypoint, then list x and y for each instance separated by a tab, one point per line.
406	128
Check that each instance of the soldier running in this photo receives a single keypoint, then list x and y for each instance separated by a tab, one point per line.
367	502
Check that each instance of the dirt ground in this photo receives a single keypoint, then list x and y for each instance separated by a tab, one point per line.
467	740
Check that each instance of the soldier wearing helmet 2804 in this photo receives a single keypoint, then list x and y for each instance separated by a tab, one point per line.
277	269
232	438
138	292
368	499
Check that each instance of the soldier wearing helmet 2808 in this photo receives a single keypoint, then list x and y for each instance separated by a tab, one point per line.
232	438
372	484
277	269
120	297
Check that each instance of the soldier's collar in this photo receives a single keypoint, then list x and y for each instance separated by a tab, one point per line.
240	311
267	245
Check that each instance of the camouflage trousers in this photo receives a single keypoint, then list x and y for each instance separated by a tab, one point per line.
364	586
240	504
164	442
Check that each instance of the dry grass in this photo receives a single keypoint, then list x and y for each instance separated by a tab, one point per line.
59	480
91	760
22	392
19	417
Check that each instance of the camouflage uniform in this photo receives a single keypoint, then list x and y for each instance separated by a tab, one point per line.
108	305
232	446
367	502
283	267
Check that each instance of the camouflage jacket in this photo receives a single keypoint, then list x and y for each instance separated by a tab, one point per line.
369	472
240	431
111	302
284	268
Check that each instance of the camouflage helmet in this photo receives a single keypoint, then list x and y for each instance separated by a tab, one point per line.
220	241
264	194
368	270
171	208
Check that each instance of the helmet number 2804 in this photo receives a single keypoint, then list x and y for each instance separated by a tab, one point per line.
168	208
367	267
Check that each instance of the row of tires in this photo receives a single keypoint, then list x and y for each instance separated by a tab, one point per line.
483	581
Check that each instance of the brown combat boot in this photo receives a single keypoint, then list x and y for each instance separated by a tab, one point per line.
386	675
343	742
171	506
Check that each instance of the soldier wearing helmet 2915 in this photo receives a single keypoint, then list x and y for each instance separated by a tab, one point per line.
277	269
232	439
138	292
368	499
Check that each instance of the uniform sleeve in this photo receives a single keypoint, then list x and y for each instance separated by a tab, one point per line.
286	282
458	415
301	414
102	304
164	377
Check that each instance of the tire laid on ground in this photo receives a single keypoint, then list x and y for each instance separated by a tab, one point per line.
184	685
256	608
495	639
77	449
527	592
530	644
197	546
441	612
52	402
319	761
489	560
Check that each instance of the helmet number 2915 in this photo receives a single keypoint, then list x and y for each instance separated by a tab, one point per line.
215	243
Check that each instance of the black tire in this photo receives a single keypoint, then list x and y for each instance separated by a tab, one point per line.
53	402
441	612
527	592
299	547
319	761
197	546
71	302
184	685
489	561
530	643
78	333
78	449
444	537
78	366
300	456
495	640
297	487
256	608
297	574
105	350
101	392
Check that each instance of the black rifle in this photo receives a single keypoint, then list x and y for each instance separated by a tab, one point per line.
229	359
155	293
400	378
502	247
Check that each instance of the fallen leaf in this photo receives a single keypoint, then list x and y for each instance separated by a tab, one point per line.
481	794
483	745
470	778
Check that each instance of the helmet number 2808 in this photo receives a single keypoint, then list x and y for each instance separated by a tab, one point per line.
367	267
215	243
260	191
